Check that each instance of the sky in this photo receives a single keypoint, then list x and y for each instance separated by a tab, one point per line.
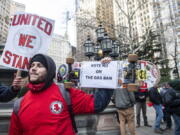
53	9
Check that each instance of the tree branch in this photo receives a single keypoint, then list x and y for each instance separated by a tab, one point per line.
139	6
121	8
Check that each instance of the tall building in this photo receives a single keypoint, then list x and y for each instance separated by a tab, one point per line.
105	15
16	7
59	49
133	16
159	15
4	19
169	26
7	9
89	14
85	16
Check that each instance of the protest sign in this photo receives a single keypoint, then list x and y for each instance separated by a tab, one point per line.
29	34
98	75
149	74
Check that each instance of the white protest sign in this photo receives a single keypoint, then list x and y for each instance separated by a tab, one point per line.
147	74
98	75
29	34
150	73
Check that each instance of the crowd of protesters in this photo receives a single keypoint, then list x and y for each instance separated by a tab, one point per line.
43	109
163	98
39	91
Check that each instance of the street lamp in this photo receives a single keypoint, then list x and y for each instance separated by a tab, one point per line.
89	47
115	49
100	32
104	45
97	52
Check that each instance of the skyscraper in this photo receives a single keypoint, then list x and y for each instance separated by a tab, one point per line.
7	9
59	49
89	14
4	19
105	15
134	18
15	7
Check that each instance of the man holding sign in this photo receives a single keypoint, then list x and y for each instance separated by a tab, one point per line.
43	110
28	34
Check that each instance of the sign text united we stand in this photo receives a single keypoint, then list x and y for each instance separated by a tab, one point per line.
28	34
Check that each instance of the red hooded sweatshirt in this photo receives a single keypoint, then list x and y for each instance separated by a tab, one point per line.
46	112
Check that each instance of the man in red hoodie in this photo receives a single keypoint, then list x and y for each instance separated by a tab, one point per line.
43	110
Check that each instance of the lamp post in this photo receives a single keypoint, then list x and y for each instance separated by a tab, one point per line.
89	47
97	52
115	49
100	32
104	45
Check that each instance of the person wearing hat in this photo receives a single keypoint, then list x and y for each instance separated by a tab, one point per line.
8	93
43	110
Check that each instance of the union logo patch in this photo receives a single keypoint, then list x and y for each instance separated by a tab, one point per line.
56	107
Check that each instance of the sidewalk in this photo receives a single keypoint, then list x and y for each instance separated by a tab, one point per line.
149	130
140	131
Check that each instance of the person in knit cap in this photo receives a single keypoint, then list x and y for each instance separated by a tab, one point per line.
43	110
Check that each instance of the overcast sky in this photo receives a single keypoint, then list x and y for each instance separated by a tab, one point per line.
53	9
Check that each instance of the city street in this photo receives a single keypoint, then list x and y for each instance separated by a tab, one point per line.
62	65
140	131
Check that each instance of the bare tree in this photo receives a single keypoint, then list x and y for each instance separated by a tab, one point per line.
129	16
90	21
174	56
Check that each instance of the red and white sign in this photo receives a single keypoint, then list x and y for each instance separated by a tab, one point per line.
147	74
29	34
152	74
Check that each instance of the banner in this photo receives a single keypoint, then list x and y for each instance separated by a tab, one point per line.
29	34
98	75
148	74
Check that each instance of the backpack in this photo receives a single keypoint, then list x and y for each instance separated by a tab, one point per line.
66	95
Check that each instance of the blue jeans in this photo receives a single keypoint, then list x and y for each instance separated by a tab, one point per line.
177	124
159	115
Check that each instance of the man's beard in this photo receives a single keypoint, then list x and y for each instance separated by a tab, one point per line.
37	82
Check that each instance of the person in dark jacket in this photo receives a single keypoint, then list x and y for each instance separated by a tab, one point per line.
155	98
7	93
172	102
167	115
43	110
141	96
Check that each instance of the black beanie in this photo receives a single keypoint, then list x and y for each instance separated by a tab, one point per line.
41	59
